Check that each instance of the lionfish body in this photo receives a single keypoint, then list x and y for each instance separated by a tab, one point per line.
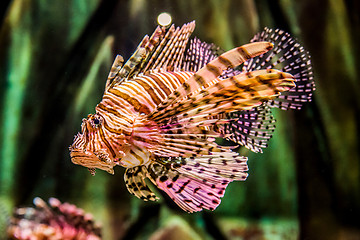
163	109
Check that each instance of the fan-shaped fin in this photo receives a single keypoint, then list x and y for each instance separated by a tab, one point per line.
199	54
288	56
252	128
197	183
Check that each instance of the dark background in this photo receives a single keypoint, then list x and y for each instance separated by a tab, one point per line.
54	60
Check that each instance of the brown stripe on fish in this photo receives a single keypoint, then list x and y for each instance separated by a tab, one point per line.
224	61
103	138
116	131
244	53
161	84
169	79
142	139
133	101
156	84
136	90
112	101
149	89
214	69
140	159
182	76
114	112
199	80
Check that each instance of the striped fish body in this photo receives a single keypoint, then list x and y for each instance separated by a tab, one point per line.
122	133
161	122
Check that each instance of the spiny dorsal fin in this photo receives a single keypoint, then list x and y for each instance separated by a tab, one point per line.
169	53
163	50
115	68
199	54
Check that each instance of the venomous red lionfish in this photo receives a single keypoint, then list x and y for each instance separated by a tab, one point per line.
164	108
53	221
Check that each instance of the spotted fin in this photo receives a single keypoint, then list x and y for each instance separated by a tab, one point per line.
136	185
251	128
288	56
199	54
198	183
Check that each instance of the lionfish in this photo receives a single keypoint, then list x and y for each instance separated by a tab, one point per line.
164	111
53	222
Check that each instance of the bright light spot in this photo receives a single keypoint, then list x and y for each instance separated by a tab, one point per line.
164	19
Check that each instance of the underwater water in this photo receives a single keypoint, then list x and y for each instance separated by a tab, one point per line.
54	61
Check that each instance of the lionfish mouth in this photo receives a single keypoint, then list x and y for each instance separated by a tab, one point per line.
91	160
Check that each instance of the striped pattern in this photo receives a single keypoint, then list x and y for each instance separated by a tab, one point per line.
163	109
212	70
199	182
257	126
169	53
135	183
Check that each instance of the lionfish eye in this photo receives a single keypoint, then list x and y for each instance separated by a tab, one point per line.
95	122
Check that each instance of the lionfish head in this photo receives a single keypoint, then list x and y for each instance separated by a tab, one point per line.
90	148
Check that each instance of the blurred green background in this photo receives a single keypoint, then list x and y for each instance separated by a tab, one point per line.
54	60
